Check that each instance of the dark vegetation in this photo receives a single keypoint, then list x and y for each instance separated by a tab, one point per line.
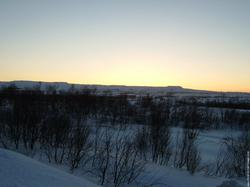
76	128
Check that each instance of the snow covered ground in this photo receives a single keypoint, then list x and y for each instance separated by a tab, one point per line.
20	171
17	170
160	176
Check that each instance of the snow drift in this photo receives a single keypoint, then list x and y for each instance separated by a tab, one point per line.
17	170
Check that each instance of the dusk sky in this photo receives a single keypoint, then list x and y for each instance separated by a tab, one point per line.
200	44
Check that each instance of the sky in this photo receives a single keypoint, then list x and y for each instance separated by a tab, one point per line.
200	44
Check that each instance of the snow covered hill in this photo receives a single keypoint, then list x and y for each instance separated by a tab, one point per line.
117	89
17	170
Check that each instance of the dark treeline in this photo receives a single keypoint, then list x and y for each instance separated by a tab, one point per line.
124	109
232	103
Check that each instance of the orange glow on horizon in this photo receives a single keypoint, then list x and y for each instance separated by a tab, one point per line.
123	43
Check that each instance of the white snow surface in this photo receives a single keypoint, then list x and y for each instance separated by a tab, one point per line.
17	170
160	176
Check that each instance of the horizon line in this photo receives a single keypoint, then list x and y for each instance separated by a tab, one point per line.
124	85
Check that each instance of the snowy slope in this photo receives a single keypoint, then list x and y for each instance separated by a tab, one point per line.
117	89
17	170
160	176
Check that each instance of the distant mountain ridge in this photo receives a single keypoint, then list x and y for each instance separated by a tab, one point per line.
64	86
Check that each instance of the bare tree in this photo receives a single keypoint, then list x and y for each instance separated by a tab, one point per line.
186	152
78	145
54	137
141	142
125	163
103	158
159	134
234	155
117	160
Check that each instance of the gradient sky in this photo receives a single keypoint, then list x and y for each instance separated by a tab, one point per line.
202	44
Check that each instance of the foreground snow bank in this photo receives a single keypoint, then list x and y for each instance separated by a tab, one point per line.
161	176
17	170
230	183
